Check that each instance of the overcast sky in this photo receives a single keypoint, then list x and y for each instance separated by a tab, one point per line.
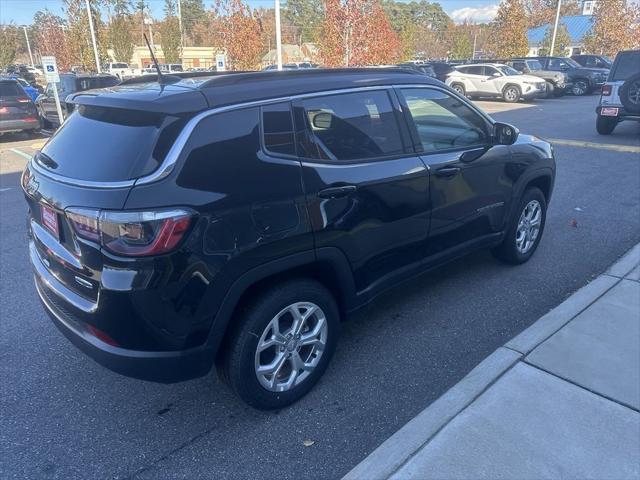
21	11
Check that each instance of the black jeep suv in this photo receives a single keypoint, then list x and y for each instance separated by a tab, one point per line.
237	219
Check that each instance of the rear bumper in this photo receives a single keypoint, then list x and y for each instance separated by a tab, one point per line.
157	366
622	113
18	125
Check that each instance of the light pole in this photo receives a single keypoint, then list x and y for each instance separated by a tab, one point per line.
93	37
26	36
555	29
278	35
180	27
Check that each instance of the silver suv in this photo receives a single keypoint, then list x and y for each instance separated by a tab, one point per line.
620	97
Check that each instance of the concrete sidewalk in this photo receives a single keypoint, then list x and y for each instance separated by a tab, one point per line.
560	400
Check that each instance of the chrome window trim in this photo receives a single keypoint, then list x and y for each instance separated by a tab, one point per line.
169	163
76	182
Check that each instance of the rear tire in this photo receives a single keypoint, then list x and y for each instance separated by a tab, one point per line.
606	125
523	236
458	87
580	88
511	94
269	320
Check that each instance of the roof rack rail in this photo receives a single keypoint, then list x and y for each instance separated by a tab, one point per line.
152	77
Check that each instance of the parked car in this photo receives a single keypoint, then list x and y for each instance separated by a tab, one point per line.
584	80
593	61
32	91
237	219
170	68
495	80
441	69
22	71
620	97
423	68
17	111
121	70
557	82
69	83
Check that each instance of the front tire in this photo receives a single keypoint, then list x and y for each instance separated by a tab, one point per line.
606	125
511	94
550	90
283	344
525	229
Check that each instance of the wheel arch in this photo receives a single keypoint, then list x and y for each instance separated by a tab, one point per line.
327	265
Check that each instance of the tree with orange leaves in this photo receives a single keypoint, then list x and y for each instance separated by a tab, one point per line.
240	34
357	32
52	38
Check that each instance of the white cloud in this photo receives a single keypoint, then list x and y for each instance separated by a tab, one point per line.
475	14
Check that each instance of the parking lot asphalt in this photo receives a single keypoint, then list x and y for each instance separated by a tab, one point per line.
63	416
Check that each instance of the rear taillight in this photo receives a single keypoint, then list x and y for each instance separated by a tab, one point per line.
23	100
606	90
4	109
131	234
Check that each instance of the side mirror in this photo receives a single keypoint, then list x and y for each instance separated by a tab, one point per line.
322	120
496	75
504	134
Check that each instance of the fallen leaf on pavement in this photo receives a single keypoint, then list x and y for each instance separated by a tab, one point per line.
573	223
308	443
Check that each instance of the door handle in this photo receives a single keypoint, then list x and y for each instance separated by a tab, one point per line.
447	171
337	192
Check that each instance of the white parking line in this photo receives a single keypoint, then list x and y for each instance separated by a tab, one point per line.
21	153
601	146
5	189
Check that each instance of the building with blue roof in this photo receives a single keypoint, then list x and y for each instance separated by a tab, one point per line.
578	27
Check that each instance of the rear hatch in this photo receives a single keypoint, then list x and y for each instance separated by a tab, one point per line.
15	103
91	163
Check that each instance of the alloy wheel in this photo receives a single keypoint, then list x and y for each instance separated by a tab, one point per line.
528	226
511	94
579	88
291	346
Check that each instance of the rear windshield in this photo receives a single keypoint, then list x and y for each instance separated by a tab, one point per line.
11	89
626	65
108	145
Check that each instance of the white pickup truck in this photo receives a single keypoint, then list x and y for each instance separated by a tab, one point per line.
121	70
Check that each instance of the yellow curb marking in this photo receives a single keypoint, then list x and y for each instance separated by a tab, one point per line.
601	146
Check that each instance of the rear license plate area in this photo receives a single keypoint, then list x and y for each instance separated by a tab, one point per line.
49	219
609	111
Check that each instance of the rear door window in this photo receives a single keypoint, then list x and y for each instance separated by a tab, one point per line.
348	127
11	89
277	129
107	144
476	70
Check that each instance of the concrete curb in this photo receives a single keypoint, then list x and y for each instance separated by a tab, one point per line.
406	442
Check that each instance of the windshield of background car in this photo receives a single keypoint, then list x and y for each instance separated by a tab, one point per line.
108	144
626	65
508	70
534	65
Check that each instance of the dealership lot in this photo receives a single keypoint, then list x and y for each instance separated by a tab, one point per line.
66	417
